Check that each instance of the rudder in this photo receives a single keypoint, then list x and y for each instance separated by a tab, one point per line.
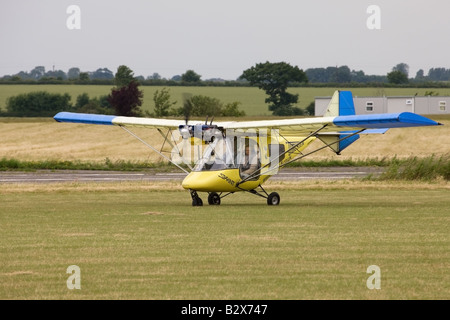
341	104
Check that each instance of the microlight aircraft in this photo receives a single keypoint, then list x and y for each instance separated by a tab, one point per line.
239	156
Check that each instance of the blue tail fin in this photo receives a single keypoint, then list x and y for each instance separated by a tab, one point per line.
346	106
341	104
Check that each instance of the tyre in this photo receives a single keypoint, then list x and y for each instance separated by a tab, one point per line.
273	199
214	199
197	202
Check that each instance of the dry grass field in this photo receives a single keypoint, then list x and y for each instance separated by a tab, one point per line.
45	139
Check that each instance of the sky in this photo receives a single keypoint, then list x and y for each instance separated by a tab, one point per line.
220	39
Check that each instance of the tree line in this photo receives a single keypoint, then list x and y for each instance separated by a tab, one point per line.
399	75
125	99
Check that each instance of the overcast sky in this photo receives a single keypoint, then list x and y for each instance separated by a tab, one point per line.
223	38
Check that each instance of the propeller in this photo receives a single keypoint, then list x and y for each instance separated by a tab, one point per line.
205	131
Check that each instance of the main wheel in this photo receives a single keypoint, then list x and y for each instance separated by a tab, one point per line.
273	199
197	202
214	199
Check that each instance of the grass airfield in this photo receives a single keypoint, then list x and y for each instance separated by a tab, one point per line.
145	241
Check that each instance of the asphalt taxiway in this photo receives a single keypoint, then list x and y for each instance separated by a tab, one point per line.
47	176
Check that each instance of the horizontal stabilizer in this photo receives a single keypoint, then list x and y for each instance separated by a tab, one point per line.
387	120
340	141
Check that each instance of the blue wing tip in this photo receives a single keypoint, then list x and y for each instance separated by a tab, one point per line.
413	118
84	118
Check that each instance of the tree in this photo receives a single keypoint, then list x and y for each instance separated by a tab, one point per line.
37	73
274	79
102	74
84	76
100	105
124	76
311	109
162	102
154	76
399	74
203	106
73	73
37	104
403	68
82	100
420	75
232	110
341	75
397	77
58	74
190	76
127	100
439	74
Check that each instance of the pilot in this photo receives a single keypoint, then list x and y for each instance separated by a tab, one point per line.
250	164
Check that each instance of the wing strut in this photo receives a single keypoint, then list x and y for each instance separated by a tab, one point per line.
257	174
154	149
170	143
307	154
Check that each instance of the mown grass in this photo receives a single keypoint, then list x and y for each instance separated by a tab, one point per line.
141	241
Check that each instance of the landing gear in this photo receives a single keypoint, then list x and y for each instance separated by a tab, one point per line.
196	200
214	199
273	199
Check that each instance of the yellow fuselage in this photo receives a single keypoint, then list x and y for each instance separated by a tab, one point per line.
229	180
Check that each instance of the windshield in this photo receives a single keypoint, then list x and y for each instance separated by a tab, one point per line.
230	153
217	156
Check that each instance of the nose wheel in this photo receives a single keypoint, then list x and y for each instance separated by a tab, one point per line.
196	200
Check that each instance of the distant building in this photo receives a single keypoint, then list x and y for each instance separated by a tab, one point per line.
370	105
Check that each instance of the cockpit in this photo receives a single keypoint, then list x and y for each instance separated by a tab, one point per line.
230	153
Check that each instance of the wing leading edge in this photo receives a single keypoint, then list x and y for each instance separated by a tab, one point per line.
85	118
302	125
